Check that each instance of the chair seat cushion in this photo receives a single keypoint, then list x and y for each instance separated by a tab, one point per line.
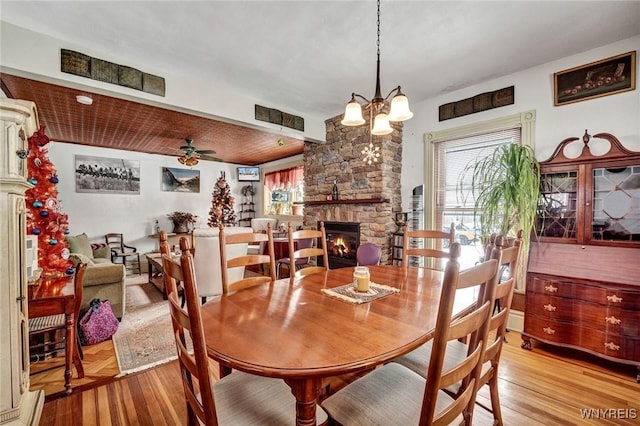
389	395
43	323
246	399
418	359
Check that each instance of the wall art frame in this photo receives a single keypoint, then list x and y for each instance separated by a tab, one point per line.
180	180
107	175
608	76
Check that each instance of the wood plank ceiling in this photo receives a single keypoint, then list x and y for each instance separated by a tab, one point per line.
126	125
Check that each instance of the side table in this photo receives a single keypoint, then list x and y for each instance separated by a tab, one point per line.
154	260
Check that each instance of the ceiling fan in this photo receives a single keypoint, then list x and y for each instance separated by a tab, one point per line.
190	154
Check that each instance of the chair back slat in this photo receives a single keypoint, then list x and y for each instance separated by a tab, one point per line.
306	250
265	260
428	244
507	259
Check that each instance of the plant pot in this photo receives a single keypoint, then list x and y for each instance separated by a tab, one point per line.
180	227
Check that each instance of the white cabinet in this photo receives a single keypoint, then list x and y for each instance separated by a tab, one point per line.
18	121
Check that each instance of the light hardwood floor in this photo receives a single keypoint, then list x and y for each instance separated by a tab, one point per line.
541	387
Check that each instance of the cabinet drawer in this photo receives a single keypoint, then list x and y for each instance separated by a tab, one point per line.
611	345
615	321
609	296
550	307
550	286
554	331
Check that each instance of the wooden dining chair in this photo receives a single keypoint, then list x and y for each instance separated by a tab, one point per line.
238	398
427	244
390	394
246	259
164	249
307	252
44	330
507	260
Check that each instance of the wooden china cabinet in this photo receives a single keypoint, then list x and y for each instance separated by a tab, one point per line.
583	278
18	405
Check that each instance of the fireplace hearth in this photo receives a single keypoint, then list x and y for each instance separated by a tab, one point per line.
343	239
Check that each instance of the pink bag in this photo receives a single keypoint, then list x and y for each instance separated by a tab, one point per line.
98	324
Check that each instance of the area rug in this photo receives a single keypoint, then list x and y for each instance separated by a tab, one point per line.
145	336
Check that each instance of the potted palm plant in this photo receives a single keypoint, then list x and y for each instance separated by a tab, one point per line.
182	221
505	188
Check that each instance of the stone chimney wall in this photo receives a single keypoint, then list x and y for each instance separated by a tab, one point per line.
341	159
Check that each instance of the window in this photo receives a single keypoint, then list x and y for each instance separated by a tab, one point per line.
284	190
447	154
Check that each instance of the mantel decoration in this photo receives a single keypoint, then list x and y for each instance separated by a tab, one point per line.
399	110
182	221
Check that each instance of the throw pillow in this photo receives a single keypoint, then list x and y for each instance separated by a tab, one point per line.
102	252
80	245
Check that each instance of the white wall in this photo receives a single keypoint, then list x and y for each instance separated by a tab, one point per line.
616	114
186	94
134	215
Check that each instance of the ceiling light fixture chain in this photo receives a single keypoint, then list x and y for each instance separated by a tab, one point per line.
399	110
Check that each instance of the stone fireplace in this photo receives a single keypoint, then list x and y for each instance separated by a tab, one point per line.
368	194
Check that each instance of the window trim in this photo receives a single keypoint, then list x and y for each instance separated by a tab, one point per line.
526	120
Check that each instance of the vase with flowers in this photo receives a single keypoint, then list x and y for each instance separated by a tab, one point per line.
182	221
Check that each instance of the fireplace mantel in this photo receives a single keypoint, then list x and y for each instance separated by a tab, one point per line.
373	200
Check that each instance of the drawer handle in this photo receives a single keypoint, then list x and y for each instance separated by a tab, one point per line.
549	308
615	299
549	330
551	289
612	346
612	320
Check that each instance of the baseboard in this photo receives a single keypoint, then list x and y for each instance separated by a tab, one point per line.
516	321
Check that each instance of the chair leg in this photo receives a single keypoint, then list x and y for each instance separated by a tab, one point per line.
495	399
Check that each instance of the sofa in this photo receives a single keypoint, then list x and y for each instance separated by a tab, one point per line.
103	279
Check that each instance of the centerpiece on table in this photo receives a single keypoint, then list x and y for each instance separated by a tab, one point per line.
182	221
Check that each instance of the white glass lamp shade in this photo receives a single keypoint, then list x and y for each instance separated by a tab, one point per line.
400	109
381	125
352	114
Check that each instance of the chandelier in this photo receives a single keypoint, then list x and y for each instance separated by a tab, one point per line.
399	104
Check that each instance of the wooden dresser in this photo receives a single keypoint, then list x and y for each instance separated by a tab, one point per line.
583	277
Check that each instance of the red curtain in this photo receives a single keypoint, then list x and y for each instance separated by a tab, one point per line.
284	179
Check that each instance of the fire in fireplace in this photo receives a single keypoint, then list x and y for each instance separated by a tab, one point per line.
343	239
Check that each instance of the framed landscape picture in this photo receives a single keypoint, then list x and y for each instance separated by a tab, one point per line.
180	180
606	77
107	175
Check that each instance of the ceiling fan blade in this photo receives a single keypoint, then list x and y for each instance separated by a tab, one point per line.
208	157
205	151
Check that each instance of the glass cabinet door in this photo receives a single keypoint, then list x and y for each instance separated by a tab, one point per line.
616	204
557	206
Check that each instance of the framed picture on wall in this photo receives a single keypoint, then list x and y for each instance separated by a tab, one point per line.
601	78
180	180
107	175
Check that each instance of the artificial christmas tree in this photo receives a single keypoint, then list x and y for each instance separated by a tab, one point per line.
44	217
222	204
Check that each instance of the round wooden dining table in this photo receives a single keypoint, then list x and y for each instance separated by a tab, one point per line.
298	333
